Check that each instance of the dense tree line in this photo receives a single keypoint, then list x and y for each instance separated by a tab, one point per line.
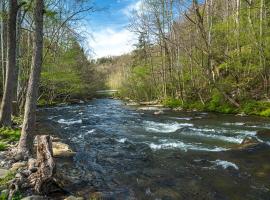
42	59
210	54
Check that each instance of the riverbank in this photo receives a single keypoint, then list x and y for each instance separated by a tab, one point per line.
249	108
66	175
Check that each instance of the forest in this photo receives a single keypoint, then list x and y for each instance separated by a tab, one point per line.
212	56
193	95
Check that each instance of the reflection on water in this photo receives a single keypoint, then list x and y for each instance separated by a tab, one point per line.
134	154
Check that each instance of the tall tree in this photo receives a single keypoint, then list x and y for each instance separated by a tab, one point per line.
28	129
6	106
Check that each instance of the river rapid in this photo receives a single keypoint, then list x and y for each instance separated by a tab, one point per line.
133	154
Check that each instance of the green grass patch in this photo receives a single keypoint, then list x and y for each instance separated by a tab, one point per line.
8	135
4	181
3	146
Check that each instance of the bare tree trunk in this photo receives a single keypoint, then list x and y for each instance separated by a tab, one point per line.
3	41
42	179
6	106
28	129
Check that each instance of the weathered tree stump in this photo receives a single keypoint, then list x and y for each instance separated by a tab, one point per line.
43	177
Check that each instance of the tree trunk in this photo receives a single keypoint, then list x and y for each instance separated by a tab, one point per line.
6	106
42	179
3	41
28	129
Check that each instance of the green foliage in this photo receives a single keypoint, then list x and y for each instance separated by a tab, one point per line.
8	135
265	113
3	146
172	103
256	108
195	105
18	120
216	100
7	178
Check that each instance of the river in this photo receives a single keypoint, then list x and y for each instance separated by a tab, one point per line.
133	154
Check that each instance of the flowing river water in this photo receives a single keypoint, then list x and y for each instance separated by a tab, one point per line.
133	154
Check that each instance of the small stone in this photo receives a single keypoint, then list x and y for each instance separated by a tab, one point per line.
178	109
18	165
18	176
34	197
158	112
241	114
3	173
71	198
32	165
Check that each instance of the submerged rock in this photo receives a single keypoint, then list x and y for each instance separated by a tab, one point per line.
160	112
248	142
264	133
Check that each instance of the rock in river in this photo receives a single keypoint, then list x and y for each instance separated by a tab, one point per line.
264	133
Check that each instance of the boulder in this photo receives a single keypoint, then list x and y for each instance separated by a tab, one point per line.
62	150
3	173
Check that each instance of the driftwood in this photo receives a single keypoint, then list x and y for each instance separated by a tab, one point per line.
43	177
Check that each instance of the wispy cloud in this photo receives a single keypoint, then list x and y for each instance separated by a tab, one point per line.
110	42
136	6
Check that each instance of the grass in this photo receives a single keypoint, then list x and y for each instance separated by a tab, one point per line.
4	182
8	135
265	113
218	104
3	146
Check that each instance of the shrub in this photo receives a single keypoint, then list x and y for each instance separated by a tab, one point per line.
172	103
3	146
265	113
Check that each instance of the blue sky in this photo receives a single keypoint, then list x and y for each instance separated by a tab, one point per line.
108	27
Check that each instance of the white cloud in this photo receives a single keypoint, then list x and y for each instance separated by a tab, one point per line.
109	42
132	7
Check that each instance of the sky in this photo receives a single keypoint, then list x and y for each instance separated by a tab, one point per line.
108	28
